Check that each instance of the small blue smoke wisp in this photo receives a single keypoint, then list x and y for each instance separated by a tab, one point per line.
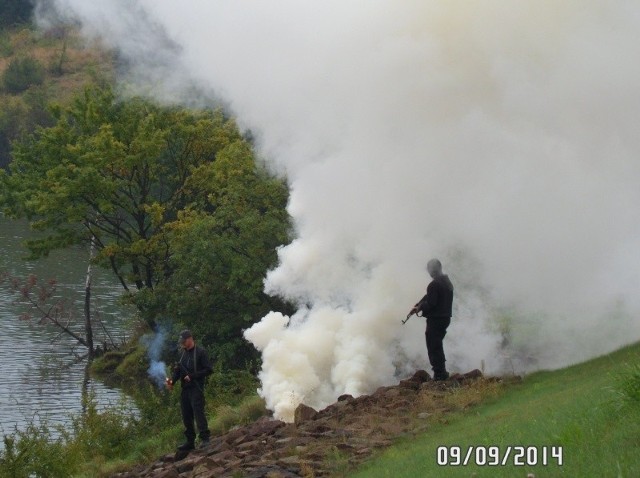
157	368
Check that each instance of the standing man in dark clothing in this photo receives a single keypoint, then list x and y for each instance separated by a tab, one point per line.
436	306
192	370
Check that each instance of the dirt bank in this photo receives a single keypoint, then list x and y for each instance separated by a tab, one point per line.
329	441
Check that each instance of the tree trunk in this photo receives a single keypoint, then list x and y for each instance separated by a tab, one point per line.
88	329
63	54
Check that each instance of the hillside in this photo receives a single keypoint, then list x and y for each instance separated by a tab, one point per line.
396	431
330	441
591	410
42	67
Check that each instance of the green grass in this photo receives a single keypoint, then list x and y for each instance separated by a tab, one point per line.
225	417
581	408
146	449
149	448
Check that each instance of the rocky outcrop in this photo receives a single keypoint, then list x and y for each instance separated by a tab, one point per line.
303	414
319	443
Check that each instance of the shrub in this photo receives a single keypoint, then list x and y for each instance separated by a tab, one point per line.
252	408
134	364
22	73
107	433
36	451
98	439
6	47
157	409
227	417
229	387
629	385
107	363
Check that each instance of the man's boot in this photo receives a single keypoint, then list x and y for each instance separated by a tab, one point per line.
186	446
440	376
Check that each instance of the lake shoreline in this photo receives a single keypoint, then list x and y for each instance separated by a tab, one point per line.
45	381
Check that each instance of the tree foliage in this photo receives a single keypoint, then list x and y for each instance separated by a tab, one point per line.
175	203
222	248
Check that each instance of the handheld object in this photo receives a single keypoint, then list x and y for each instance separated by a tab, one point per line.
410	314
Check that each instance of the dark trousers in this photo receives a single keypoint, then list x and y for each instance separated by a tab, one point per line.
192	407
436	330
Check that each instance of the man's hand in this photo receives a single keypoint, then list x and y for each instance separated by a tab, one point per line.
187	378
169	383
414	310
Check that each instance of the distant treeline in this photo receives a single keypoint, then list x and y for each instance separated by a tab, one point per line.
14	12
38	68
22	108
18	114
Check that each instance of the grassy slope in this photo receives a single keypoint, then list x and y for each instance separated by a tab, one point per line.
81	64
574	407
149	448
68	63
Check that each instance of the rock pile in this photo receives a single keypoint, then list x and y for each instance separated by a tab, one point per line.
318	443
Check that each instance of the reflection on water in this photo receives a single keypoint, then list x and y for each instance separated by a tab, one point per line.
40	378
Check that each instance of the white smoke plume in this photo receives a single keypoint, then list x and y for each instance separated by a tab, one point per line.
157	368
501	137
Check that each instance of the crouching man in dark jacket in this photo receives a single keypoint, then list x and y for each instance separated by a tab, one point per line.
436	306
192	370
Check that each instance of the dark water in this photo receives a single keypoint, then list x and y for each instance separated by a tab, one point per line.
40	379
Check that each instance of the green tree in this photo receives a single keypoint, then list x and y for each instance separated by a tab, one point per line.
114	171
173	200
223	245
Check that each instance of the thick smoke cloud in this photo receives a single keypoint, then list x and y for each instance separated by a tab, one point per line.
499	136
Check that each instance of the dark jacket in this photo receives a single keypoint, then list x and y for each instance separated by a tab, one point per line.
194	363
438	301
